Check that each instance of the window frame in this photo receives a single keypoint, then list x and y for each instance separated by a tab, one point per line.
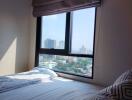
67	49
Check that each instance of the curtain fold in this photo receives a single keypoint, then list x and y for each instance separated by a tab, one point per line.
47	7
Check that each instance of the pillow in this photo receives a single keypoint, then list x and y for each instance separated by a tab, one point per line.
46	71
121	91
125	76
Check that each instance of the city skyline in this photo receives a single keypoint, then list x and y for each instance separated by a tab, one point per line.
53	27
50	43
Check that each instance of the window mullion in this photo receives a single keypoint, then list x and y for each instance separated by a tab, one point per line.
68	33
38	40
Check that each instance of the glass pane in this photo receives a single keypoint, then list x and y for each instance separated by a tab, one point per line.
83	31
74	65
53	31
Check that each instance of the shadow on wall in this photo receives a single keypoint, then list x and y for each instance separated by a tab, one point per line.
114	37
14	37
11	58
8	45
13	48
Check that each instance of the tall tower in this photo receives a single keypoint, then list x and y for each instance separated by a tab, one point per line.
49	43
61	45
83	50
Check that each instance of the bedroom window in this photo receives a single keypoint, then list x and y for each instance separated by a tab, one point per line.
65	42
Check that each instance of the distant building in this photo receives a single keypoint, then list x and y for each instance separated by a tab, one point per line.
90	51
49	43
83	50
71	59
61	45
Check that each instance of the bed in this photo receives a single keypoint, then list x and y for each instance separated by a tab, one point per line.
40	84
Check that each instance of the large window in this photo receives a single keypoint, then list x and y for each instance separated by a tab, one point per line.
65	42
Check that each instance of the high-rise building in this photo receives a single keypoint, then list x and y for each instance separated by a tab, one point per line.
61	45
83	50
49	43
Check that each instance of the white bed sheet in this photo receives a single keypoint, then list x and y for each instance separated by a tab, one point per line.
52	89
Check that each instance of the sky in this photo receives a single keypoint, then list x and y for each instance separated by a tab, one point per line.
53	27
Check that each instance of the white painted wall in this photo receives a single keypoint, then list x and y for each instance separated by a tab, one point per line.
113	52
32	41
14	35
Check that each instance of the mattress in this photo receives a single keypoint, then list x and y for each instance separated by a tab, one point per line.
43	87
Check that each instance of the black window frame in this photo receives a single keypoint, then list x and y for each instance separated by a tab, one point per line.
66	51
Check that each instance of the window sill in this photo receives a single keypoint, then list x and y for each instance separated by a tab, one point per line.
75	77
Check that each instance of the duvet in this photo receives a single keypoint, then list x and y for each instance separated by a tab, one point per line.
40	84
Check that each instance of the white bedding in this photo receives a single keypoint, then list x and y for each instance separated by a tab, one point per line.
8	84
50	89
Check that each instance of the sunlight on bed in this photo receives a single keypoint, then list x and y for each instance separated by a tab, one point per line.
63	80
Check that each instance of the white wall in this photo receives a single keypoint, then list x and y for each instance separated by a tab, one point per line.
113	40
113	50
14	35
32	41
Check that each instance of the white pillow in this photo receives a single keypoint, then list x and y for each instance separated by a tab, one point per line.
46	71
